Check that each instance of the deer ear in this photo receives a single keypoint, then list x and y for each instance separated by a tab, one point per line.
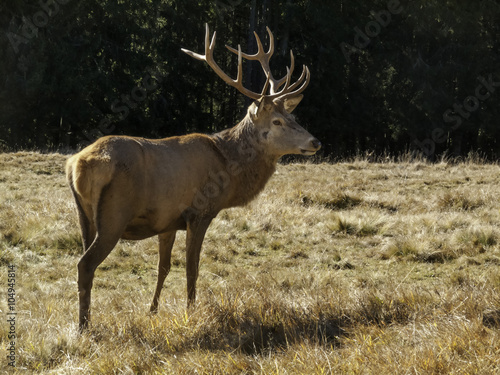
291	103
253	110
260	106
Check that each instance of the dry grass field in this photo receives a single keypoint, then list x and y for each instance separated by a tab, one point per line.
347	268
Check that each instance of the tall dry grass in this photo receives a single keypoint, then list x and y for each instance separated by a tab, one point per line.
354	268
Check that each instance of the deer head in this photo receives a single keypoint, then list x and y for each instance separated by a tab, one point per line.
270	113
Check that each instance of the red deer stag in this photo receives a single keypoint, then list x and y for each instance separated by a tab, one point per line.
135	188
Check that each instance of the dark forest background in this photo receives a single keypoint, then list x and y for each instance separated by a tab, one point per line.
388	77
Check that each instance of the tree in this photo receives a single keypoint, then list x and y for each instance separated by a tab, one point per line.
387	76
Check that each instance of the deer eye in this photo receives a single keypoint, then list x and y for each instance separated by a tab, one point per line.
277	122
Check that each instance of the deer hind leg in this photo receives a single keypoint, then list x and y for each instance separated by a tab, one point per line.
110	222
95	255
87	228
195	234
166	244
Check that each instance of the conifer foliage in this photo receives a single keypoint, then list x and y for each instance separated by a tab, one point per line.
388	76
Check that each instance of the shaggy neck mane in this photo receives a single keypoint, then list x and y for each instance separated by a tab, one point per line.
241	148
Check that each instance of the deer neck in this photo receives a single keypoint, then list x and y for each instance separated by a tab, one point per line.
249	166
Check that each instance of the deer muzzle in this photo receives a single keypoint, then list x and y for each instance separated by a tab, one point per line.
313	146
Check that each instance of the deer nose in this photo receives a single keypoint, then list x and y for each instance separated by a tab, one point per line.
316	143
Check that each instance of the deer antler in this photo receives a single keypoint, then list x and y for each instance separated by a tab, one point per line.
263	57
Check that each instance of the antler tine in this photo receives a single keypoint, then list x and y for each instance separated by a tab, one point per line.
209	48
271	41
260	54
209	59
299	81
280	82
266	85
285	88
290	93
239	76
263	57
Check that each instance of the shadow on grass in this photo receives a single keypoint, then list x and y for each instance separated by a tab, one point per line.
491	319
255	338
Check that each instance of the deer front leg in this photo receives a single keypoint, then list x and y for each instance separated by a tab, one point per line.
195	234
166	244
